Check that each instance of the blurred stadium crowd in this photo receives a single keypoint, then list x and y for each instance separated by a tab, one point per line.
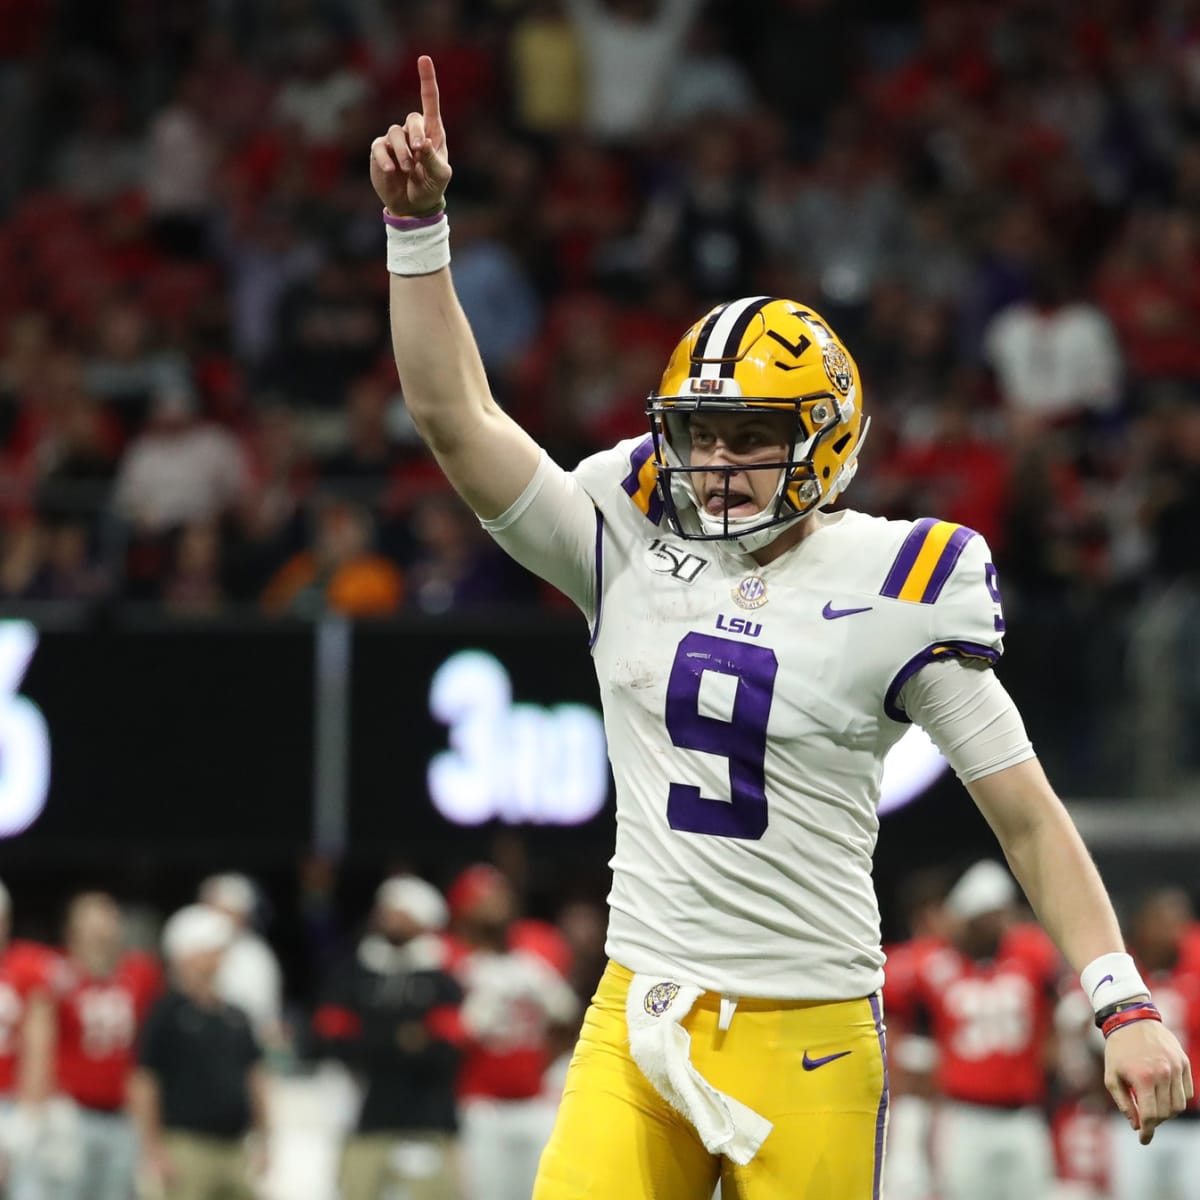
995	204
435	1029
428	1062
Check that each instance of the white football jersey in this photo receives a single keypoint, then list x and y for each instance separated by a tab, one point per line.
748	711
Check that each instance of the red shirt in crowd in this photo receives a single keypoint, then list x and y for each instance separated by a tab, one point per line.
1176	993
511	1000
990	1019
98	1022
1082	1134
26	970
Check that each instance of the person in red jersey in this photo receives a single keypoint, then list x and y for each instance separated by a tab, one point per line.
108	991
513	975
912	1056
1081	1125
1164	939
28	985
986	997
1083	1145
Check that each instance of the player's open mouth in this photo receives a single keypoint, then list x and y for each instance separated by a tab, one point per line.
740	504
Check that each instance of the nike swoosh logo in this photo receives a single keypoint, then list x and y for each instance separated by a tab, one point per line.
1106	979
811	1064
831	614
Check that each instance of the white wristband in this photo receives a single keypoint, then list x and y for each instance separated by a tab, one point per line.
1110	979
417	245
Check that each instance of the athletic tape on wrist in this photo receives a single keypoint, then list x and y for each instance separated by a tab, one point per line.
1111	978
417	245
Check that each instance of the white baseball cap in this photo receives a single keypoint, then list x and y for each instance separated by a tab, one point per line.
416	899
196	929
985	887
231	891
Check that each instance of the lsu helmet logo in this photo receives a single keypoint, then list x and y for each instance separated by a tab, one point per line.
837	367
659	998
706	387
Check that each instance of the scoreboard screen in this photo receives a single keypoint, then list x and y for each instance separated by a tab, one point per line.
370	739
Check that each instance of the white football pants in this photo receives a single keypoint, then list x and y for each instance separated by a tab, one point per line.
1167	1169
501	1142
985	1153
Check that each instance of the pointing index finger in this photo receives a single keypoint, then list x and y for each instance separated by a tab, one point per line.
430	101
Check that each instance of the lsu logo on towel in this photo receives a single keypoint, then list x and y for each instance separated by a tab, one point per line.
660	997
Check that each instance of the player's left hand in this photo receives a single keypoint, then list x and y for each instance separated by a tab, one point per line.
1147	1074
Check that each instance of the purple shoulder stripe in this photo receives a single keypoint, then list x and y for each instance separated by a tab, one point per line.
646	498
907	557
934	653
637	460
599	579
946	563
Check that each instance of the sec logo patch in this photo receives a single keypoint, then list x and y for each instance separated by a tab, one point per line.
751	592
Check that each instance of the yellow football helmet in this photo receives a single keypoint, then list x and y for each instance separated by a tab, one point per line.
759	353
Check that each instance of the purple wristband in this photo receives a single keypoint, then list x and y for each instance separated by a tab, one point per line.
413	222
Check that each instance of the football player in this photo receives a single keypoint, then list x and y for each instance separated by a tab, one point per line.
757	657
512	972
912	1055
107	993
986	996
30	984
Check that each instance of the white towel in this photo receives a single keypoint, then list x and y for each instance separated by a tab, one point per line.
661	1048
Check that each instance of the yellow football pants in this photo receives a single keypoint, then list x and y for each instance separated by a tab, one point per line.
617	1139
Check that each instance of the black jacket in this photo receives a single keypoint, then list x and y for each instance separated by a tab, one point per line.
390	1014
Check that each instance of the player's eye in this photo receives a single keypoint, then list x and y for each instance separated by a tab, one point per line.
753	439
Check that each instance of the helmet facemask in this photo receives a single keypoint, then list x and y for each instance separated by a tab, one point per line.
816	419
758	354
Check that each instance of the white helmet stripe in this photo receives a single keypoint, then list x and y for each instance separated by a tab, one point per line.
729	327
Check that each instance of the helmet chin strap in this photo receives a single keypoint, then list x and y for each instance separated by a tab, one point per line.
727	527
756	540
750	542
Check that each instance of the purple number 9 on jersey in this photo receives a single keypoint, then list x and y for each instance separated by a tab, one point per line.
742	739
993	586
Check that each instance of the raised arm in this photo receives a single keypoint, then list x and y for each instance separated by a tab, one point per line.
488	457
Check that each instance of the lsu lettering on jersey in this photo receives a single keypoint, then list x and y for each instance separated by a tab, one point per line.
748	711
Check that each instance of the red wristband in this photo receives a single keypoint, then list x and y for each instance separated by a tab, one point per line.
1145	1011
